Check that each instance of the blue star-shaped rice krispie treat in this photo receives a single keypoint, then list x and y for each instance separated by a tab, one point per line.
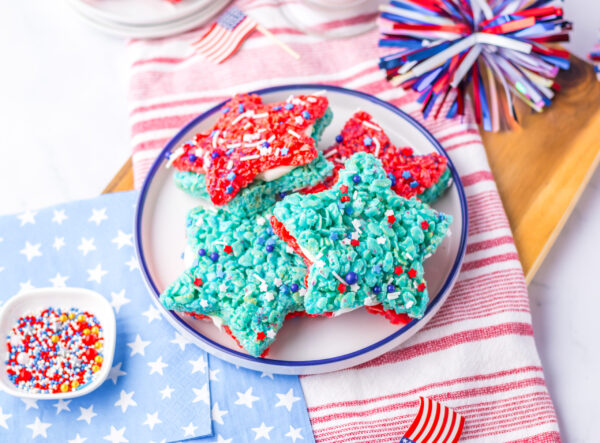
260	195
241	274
364	244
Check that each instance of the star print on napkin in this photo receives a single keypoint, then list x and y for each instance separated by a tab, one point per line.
160	386
242	273
424	176
250	138
364	244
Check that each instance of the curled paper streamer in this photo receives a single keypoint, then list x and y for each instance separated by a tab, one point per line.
440	47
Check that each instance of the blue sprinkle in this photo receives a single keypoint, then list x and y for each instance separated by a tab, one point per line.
406	175
349	210
220	273
283	288
240	108
356	179
277	108
289	106
214	256
225	110
351	278
229	189
230	151
265	144
261	240
282	194
333	236
306	115
294	287
231	176
214	155
192	158
339	138
392	178
376	289
414	184
376	269
270	231
269	248
367	141
391	288
213	133
285	151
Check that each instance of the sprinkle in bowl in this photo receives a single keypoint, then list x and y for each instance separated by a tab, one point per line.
53	325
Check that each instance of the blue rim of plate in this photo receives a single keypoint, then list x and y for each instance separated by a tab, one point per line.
439	296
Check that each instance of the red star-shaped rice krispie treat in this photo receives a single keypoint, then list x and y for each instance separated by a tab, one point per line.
424	176
252	140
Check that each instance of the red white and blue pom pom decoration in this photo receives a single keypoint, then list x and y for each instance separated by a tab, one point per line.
441	46
595	58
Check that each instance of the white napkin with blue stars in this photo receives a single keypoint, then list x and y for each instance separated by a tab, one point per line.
161	387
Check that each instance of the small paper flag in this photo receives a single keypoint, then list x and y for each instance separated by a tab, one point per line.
434	423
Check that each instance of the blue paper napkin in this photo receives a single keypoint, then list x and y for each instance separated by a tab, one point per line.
158	387
161	388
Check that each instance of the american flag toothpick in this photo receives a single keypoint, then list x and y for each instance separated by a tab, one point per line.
434	423
227	34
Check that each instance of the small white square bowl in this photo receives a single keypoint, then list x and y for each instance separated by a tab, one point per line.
35	301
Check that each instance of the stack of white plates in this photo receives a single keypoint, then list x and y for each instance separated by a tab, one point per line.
147	18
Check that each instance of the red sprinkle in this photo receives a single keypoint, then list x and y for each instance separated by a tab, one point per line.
260	336
421	287
228	249
398	270
344	189
391	219
345	199
354	242
424	225
341	287
198	282
412	273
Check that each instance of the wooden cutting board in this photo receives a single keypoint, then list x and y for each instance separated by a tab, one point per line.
540	169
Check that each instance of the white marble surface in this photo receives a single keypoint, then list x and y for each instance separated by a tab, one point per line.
63	126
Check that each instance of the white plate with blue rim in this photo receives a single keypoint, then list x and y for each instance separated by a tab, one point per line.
303	345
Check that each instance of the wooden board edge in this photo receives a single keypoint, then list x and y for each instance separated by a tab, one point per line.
123	180
529	275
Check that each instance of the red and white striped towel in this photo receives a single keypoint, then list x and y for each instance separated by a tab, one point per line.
477	355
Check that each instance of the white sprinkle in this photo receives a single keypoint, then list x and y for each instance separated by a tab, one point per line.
249	157
269	296
203	303
380	240
271	333
302	292
290	98
262	115
370	301
277	282
371	125
311	99
299	120
175	155
393	295
330	153
250	137
260	220
234	145
271	139
355	236
377	146
289	249
230	164
247	125
241	116
389	212
340	279
346	241
408	256
295	134
258	278
390	280
214	139
261	129
410	304
356	224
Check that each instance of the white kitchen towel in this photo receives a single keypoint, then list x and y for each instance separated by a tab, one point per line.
477	355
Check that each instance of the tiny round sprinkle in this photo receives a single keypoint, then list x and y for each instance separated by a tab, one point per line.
192	158
376	289
339	138
214	155
356	179
351	278
214	256
294	287
202	252
269	248
391	288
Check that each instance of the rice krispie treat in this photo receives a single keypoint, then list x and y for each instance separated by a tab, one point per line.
240	274
423	176
260	195
364	245
254	141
